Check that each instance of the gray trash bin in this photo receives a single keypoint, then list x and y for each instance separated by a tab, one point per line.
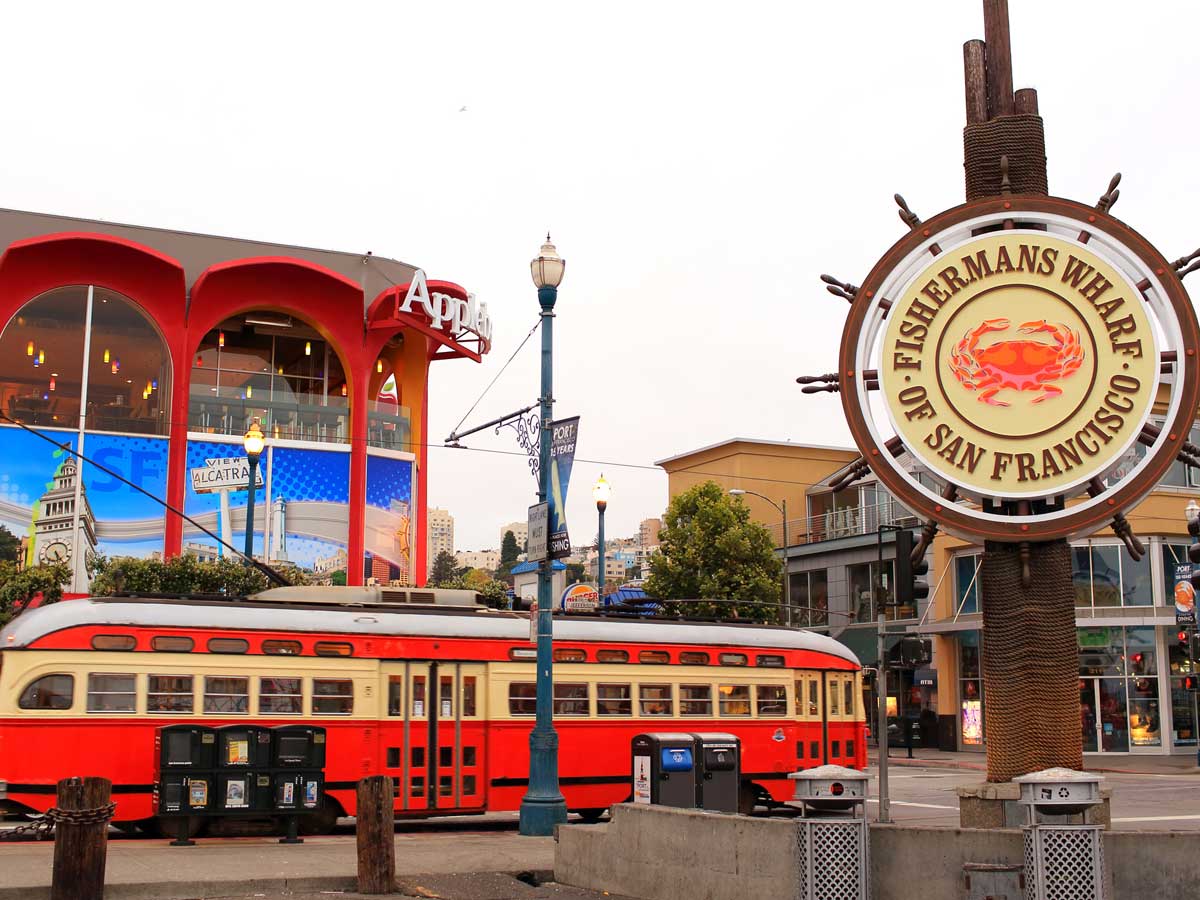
718	771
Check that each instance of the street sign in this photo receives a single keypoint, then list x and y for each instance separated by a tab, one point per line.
539	532
1185	597
564	434
229	474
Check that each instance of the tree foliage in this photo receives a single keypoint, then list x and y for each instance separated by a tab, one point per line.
576	572
17	588
710	550
182	575
445	569
10	545
509	551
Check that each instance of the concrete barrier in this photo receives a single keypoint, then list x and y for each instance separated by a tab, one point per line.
659	853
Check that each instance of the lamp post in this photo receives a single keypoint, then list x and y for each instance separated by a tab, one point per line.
600	493
543	805
787	585
253	443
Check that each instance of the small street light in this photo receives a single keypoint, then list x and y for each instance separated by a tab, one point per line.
600	494
253	443
543	805
787	587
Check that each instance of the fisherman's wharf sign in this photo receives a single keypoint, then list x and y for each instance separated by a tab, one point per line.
1019	364
1020	368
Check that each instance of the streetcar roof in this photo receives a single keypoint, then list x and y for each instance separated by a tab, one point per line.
483	623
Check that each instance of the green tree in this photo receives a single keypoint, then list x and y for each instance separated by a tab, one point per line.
18	587
183	575
10	545
338	578
509	551
710	550
576	572
444	570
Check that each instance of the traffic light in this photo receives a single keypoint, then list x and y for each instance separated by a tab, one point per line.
1191	682
909	586
1195	646
1181	637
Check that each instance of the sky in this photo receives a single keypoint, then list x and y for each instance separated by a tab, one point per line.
699	166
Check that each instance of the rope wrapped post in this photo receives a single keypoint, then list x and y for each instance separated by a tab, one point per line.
81	817
376	835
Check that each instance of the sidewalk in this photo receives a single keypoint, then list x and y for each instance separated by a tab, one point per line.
1125	764
242	867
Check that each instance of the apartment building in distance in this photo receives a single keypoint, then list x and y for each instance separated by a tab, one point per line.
441	534
520	531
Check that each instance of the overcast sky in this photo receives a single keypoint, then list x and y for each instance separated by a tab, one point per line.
698	164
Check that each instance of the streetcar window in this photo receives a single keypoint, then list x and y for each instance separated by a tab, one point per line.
695	700
835	749
226	694
771	699
446	695
228	645
172	643
418	695
850	749
395	695
333	648
393	757
332	696
769	660
111	693
570	654
814	698
280	696
848	697
522	653
114	642
522	698
733	659
693	658
833	698
735	699
49	692
282	648
418	783
468	695
799	749
468	784
416	757
654	700
446	785
614	700
654	656
612	656
445	757
799	699
170	693
469	758
570	699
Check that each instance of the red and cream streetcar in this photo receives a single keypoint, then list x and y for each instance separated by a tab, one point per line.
427	687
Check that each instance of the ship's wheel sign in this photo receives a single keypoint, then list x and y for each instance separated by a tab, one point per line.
1022	350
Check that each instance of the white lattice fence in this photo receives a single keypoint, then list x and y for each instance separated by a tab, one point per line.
1064	862
834	859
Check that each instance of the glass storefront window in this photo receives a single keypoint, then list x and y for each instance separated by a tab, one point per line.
1106	576
273	368
810	598
42	364
970	672
862	582
1137	582
1101	651
1081	575
966	584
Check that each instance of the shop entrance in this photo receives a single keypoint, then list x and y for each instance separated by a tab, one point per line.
433	744
1104	717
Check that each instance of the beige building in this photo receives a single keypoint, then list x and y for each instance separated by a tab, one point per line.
478	559
648	532
441	535
1131	665
520	531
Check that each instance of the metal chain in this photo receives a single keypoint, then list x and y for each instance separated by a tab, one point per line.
42	828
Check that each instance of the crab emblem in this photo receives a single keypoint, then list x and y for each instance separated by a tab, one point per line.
1021	365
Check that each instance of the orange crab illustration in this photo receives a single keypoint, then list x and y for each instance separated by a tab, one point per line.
1028	365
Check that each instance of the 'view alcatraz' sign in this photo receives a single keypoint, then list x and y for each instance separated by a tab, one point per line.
232	474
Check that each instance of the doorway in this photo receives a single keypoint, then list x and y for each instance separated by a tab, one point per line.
1104	715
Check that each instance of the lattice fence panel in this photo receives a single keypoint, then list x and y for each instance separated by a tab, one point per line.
1064	863
833	860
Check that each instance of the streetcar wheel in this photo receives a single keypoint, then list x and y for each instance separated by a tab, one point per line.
747	798
593	815
323	821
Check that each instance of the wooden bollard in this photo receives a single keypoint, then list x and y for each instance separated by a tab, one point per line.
376	836
80	849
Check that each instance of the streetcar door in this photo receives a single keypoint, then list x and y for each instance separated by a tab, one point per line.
405	734
457	735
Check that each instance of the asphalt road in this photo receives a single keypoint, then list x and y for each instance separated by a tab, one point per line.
922	796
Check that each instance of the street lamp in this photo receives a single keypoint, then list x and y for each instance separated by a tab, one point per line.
787	587
543	805
253	443
600	494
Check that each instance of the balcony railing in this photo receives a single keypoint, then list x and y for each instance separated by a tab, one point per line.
844	522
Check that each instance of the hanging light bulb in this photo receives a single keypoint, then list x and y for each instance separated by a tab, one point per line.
53	383
41	356
220	339
36	362
45	396
308	348
154	384
279	371
106	354
117	361
114	368
343	390
249	392
29	349
199	361
148	388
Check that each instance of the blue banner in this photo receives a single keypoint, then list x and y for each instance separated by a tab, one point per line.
562	457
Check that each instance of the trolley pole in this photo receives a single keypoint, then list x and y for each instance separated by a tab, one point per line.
881	729
543	805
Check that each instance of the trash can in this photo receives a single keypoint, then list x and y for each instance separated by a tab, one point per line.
834	838
1062	859
718	771
664	769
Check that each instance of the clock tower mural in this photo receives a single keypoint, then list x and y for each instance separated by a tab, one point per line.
54	538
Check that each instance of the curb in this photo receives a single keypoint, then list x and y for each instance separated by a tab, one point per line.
920	762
